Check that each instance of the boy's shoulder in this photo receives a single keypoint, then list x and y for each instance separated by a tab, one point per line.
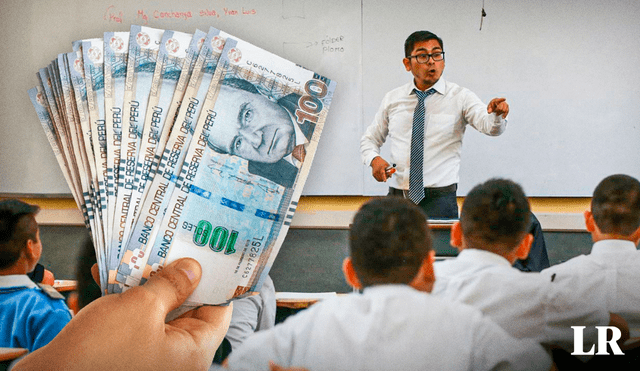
22	290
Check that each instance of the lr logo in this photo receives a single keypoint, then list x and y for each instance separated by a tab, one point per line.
578	341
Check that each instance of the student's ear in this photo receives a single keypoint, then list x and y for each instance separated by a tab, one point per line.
589	221
522	251
635	236
456	236
31	252
350	273
426	276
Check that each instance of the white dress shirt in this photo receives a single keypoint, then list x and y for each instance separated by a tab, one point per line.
526	304
253	313
388	327
448	111
616	263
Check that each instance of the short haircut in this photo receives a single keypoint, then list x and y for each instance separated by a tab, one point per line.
389	240
17	226
616	205
417	37
495	216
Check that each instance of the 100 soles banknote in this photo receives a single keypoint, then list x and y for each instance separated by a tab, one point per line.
194	146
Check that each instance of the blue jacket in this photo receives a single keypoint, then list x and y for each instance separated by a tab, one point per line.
30	315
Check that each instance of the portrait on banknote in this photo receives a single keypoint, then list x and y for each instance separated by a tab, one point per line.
260	127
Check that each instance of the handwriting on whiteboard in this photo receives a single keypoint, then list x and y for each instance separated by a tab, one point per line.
113	14
329	44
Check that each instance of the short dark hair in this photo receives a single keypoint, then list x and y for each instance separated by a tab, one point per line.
389	240
495	216
616	205
17	226
417	37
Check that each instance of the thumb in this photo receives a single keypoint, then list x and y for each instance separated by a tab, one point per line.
171	286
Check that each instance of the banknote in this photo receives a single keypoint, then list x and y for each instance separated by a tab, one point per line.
143	52
67	136
85	137
244	171
78	152
171	57
116	52
40	103
164	181
92	56
177	145
59	132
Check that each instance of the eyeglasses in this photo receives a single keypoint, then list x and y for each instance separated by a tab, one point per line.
424	58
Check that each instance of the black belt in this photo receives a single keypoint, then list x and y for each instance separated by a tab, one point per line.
433	191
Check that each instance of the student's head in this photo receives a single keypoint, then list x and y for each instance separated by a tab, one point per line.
615	206
250	125
19	236
495	216
421	49
390	242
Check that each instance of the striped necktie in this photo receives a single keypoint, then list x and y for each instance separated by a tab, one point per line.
416	169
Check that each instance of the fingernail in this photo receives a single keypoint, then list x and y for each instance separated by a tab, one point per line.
190	274
187	266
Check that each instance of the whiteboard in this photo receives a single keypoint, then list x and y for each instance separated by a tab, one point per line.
568	69
322	36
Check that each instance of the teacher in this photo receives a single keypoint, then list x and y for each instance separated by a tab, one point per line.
425	120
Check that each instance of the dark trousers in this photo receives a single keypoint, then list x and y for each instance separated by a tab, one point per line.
538	258
438	203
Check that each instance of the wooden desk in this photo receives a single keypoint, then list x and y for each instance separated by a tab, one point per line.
65	285
301	300
293	300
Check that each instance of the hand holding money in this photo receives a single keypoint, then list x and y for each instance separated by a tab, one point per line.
127	331
183	145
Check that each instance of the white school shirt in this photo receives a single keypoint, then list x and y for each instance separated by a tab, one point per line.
617	263
448	112
251	314
525	304
388	327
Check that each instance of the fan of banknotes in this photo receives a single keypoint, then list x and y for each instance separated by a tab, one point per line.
182	145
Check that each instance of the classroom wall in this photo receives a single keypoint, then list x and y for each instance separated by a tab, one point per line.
568	69
310	260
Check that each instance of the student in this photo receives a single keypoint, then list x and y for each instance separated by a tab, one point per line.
394	324
251	314
491	235
30	314
614	224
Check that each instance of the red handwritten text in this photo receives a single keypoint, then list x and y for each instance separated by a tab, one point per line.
141	15
209	13
113	15
230	11
178	15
